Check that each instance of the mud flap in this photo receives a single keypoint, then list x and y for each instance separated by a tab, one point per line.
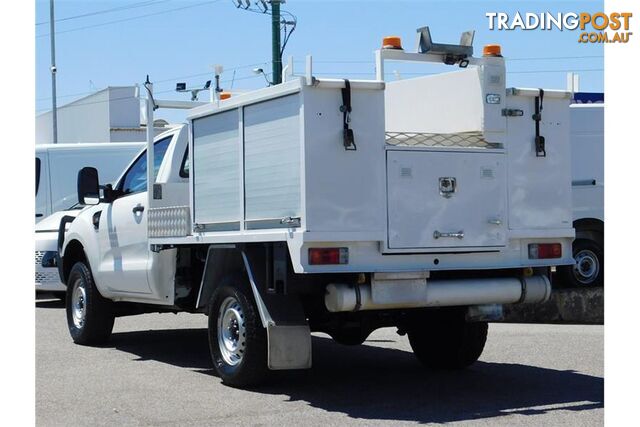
288	334
289	347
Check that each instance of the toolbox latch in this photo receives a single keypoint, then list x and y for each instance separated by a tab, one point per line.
348	138
537	117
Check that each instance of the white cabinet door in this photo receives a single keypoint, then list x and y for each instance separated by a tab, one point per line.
440	200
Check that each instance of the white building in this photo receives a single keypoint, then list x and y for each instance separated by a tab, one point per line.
109	115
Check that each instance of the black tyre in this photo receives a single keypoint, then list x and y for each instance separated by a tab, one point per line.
237	339
448	343
89	315
589	267
350	335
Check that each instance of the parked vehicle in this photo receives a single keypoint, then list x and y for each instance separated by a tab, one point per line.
46	259
587	169
336	206
57	167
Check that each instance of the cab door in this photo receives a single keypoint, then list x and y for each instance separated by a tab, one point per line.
124	251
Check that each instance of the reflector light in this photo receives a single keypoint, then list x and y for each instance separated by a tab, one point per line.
492	50
392	42
225	95
545	250
327	256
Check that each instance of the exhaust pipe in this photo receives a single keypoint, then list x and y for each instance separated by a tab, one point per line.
436	293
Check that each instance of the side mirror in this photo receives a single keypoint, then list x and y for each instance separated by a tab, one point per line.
88	186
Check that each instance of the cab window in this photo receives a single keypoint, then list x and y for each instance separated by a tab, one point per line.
38	168
135	180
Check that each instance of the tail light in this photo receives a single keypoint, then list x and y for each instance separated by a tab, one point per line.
327	256
545	250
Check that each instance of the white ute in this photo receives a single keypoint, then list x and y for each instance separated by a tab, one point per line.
335	206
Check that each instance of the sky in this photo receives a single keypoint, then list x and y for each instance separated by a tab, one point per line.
180	40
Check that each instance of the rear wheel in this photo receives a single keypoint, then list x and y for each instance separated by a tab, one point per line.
237	339
448	342
90	316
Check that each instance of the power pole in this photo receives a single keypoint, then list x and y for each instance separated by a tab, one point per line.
276	56
54	109
278	24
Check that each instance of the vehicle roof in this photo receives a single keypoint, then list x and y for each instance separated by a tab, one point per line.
89	145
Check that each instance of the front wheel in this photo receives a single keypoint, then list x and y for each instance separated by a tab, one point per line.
90	316
448	343
237	339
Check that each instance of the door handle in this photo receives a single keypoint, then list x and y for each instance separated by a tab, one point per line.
39	215
456	235
138	209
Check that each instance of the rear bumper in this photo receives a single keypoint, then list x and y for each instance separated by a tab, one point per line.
367	256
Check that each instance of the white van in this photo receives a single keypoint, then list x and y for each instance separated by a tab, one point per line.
57	167
587	171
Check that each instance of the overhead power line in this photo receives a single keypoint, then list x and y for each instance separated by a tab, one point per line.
555	58
355	73
281	21
171	79
113	9
162	12
583	70
537	58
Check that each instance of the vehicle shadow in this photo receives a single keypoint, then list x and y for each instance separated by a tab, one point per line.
374	383
45	300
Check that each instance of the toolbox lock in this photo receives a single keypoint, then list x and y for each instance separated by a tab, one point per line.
447	186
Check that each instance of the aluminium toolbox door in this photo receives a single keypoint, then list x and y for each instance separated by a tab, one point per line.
442	199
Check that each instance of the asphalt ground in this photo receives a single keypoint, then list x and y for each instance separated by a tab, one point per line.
156	370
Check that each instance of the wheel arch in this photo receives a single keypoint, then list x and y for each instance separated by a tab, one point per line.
591	224
220	262
590	228
73	253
